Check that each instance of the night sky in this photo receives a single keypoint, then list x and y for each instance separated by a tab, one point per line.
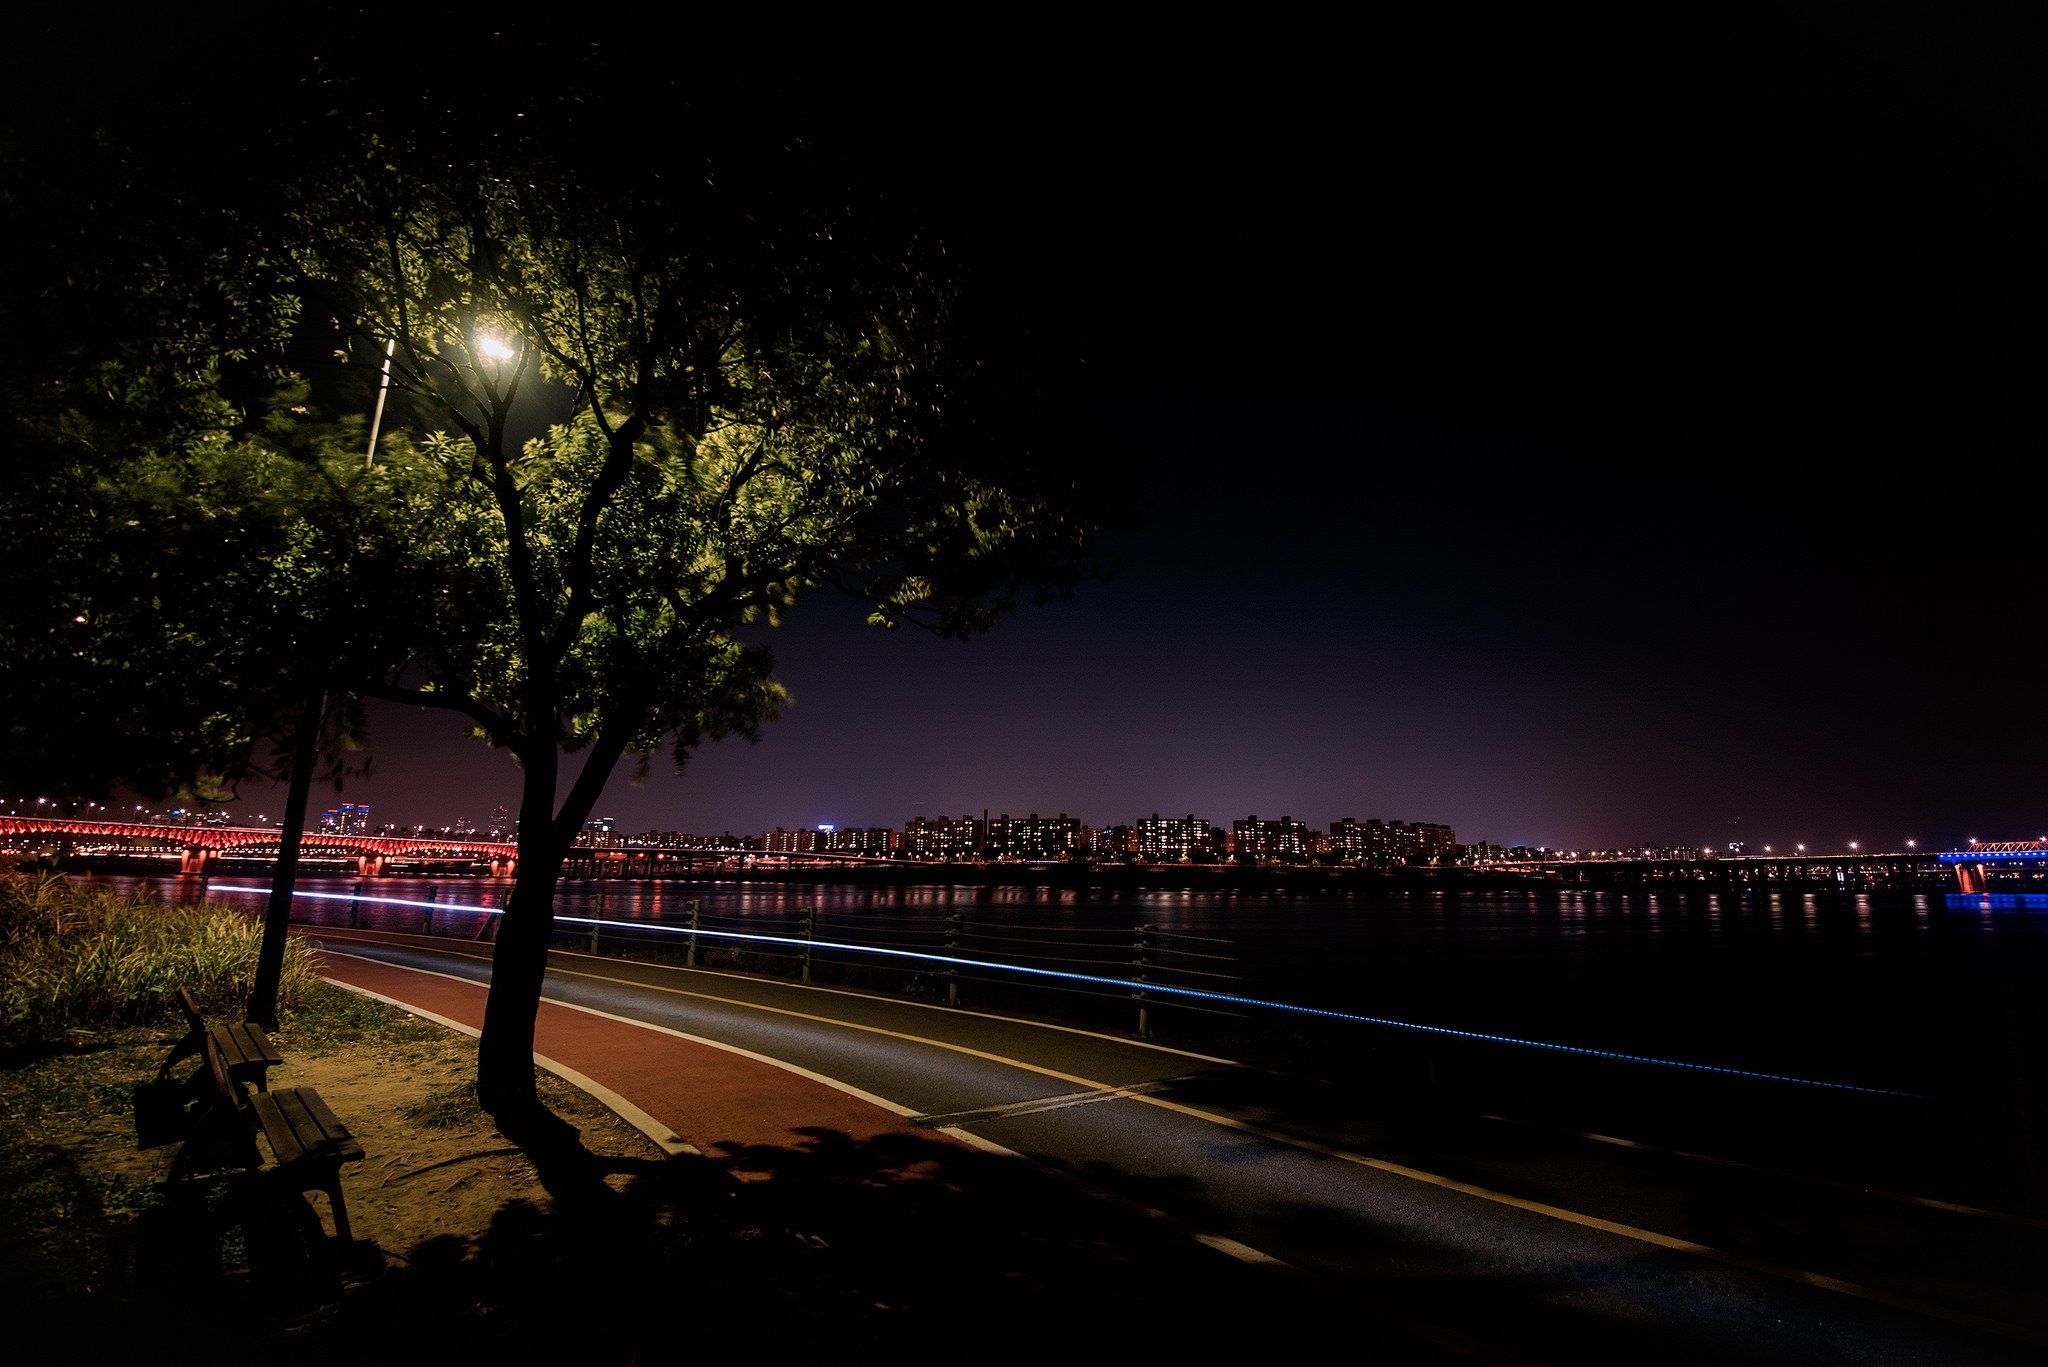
1579	428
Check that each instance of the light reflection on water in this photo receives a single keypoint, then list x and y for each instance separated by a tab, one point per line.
1889	989
1997	901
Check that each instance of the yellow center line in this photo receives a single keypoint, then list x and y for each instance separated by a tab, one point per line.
1647	1236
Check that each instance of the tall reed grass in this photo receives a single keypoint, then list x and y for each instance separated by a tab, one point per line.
75	961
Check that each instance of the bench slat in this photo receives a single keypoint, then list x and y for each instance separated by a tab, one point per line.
330	1124
287	1144
245	1048
301	1129
246	1045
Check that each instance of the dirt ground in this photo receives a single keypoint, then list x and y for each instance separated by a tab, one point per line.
419	1181
434	1166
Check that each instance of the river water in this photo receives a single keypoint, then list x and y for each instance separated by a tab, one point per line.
1913	993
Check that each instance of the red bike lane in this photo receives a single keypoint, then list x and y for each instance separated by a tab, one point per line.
685	1093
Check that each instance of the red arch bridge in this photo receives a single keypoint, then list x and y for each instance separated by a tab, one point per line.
198	846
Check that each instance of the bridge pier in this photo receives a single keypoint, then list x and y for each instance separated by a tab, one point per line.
194	860
504	865
1969	877
369	865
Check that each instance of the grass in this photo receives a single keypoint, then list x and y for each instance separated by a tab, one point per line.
446	1108
326	1018
87	984
79	965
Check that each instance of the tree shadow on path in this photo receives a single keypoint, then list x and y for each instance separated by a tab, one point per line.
827	1249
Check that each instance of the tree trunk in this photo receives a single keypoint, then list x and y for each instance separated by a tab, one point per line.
526	931
277	917
519	961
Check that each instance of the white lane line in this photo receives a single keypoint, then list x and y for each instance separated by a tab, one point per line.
1048	1103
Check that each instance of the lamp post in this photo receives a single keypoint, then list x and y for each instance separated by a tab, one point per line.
377	415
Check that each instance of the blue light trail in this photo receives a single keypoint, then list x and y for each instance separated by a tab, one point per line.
1160	989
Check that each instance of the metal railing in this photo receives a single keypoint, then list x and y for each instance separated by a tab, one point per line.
1112	974
1093	972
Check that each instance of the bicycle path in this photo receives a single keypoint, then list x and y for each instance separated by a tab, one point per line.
687	1095
992	1238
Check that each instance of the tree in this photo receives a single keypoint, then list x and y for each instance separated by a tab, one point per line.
189	562
770	389
763	375
188	615
118	398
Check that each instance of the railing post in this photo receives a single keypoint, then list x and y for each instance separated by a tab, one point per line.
427	916
690	956
810	928
952	954
355	907
1142	962
596	917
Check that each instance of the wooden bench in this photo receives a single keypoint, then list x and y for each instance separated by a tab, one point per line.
303	1146
246	1050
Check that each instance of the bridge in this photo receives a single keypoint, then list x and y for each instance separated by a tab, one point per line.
1987	864
2018	865
198	846
2015	865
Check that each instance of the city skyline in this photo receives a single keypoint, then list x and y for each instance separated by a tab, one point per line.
1002	831
363	817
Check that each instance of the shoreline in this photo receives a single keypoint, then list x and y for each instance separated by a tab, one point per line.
1112	877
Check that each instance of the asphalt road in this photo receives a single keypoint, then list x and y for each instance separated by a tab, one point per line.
1495	1240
